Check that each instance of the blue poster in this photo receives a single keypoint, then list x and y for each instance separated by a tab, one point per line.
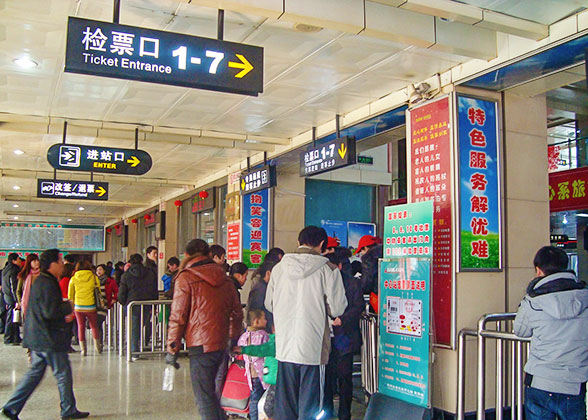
356	230
336	229
404	348
256	228
479	183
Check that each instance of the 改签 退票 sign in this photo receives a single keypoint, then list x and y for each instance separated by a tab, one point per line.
128	52
74	190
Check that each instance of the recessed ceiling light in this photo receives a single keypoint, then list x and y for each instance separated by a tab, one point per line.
15	217
18	152
15	206
16	188
69	220
81	208
25	62
582	215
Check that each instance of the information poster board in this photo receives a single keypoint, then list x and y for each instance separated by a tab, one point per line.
256	227
336	229
479	185
404	349
234	241
430	168
408	230
42	236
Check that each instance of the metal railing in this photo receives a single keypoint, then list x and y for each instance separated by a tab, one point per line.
158	329
511	352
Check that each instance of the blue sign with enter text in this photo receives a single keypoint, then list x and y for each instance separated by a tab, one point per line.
128	52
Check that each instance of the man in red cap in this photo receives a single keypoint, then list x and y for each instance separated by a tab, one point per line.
370	250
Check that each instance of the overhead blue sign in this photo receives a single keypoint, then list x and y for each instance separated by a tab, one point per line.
128	52
479	181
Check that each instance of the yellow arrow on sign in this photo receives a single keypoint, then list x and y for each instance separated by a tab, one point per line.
242	184
244	64
342	151
101	191
133	161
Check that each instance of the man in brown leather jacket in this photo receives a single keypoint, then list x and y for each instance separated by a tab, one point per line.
206	313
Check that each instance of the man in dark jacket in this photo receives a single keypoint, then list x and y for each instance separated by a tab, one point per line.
370	249
47	336
9	284
138	283
256	298
151	259
346	340
206	313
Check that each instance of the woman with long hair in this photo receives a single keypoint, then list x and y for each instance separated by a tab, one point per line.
68	272
109	291
81	293
27	275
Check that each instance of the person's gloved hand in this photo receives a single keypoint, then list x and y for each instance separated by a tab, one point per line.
171	359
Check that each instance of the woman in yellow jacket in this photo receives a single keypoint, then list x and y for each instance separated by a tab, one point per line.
81	293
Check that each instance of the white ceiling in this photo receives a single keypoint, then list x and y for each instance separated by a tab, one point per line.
308	78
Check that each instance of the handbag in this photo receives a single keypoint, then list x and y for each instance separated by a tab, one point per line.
99	299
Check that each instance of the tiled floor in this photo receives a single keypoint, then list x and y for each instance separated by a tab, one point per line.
108	387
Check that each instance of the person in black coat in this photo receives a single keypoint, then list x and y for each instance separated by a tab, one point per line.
257	293
47	336
9	284
371	250
346	340
138	283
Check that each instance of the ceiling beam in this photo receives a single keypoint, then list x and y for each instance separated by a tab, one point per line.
33	199
113	179
42	214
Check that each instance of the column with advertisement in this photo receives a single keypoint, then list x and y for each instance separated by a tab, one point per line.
256	227
430	179
405	303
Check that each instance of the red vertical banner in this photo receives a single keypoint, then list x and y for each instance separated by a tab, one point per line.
234	241
430	169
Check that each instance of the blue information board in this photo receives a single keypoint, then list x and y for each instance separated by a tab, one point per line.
256	228
404	349
479	185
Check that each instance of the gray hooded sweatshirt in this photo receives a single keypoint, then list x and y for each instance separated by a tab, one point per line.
303	290
554	313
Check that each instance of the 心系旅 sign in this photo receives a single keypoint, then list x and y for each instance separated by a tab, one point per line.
328	156
109	160
74	190
129	52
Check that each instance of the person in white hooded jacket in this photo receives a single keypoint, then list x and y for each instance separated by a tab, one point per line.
304	291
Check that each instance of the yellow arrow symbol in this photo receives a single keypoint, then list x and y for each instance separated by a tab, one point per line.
101	191
133	161
342	151
242	184
244	64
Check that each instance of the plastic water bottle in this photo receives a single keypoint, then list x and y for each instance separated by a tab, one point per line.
168	378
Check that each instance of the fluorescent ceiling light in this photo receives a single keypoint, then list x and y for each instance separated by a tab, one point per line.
15	206
25	62
582	215
16	188
81	208
69	220
15	217
18	152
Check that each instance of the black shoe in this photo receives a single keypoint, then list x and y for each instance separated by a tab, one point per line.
76	415
8	414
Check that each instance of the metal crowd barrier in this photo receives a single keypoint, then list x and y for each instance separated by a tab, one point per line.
109	334
158	329
511	355
368	325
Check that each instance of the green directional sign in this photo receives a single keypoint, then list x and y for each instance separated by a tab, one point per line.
109	160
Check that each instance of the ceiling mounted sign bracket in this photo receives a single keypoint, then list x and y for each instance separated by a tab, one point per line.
116	12
221	25
64	131
265	158
54	173
91	176
338	125
248	164
313	136
137	138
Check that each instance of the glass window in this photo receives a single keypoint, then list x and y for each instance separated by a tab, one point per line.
206	226
116	252
222	221
186	222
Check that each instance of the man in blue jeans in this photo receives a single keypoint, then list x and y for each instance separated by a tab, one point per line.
554	313
46	334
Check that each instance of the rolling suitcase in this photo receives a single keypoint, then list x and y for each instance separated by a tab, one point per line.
236	393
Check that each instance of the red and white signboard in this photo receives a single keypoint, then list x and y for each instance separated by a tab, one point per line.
567	190
430	164
234	241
